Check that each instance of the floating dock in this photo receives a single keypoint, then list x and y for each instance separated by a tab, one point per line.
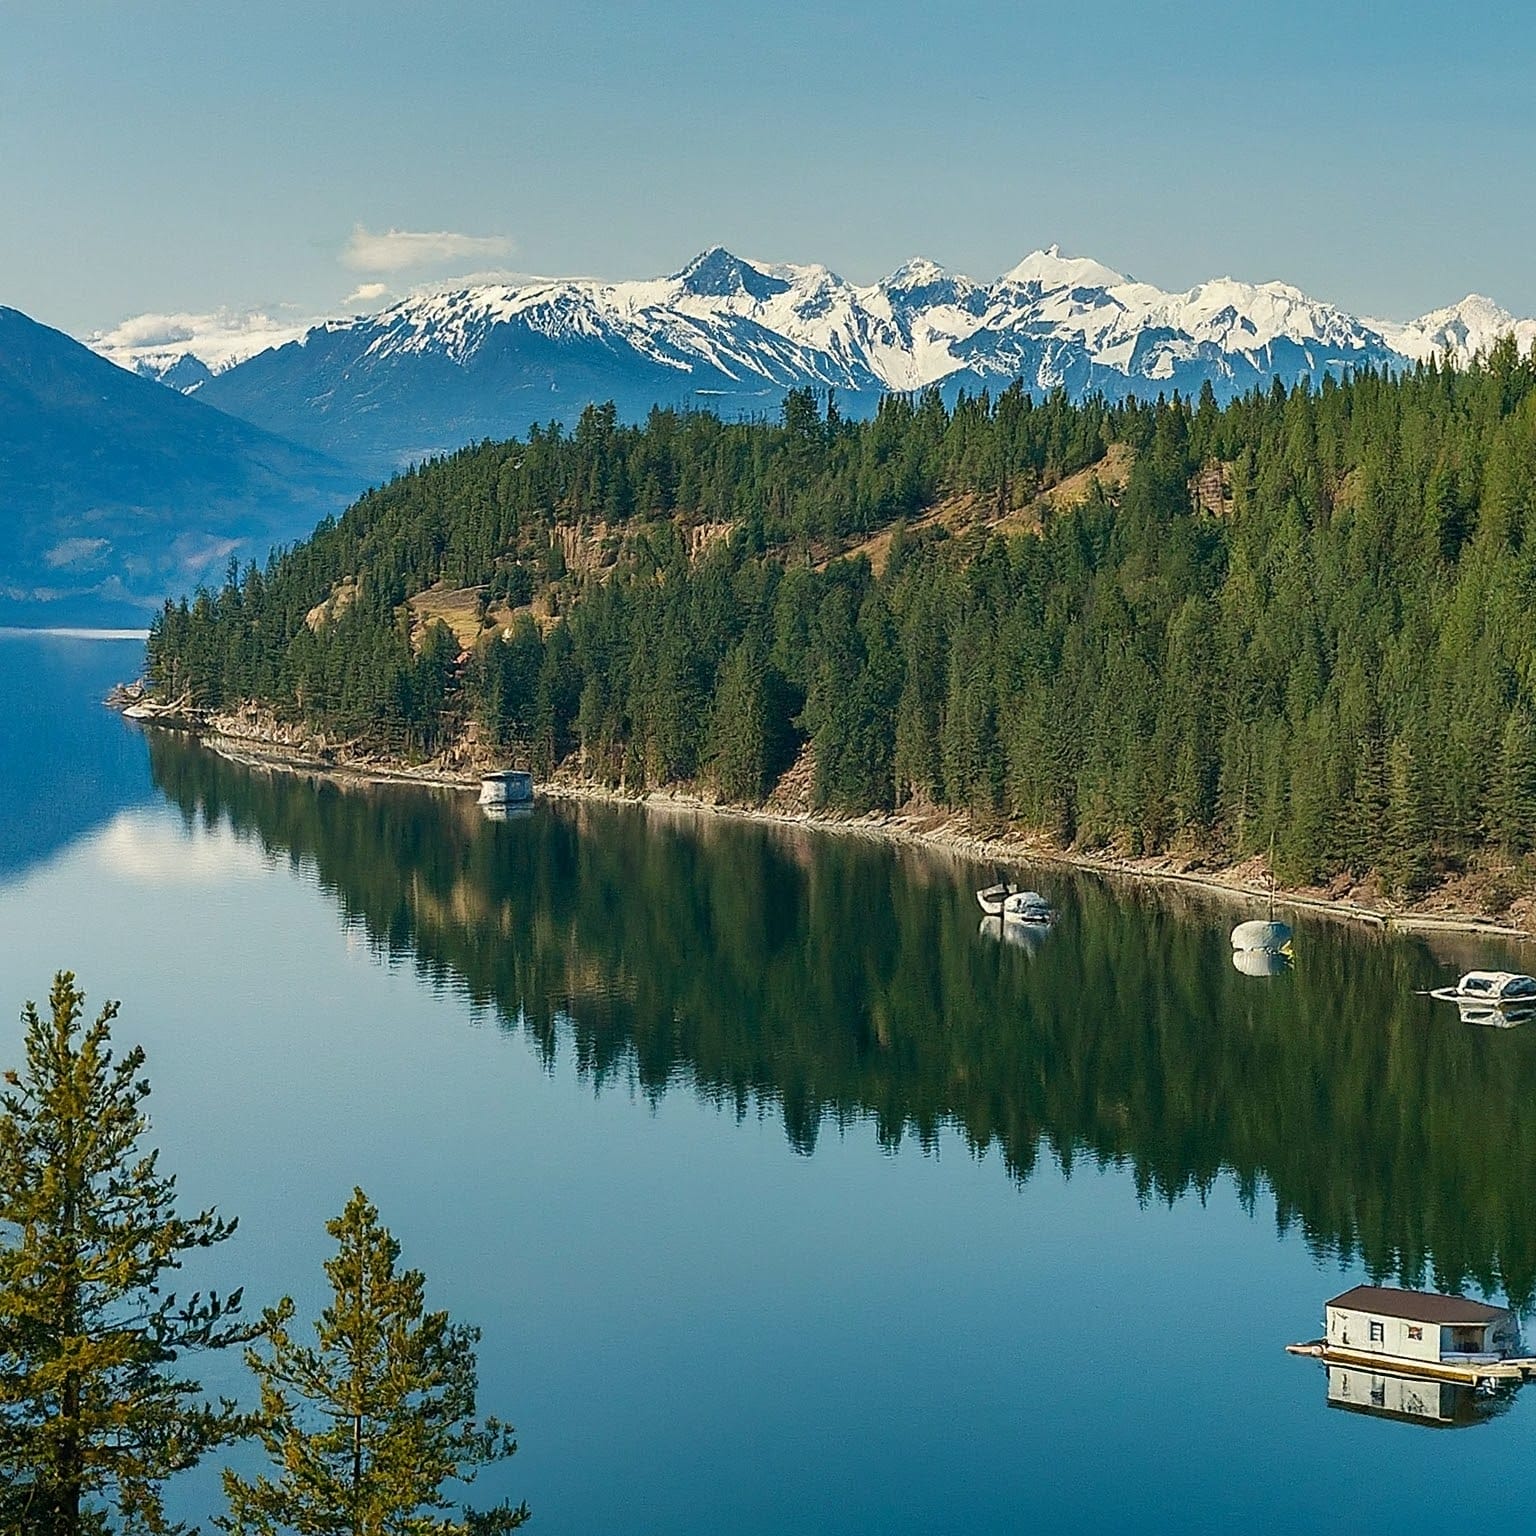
1468	1372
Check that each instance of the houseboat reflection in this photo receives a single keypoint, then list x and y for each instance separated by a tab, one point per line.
1415	1399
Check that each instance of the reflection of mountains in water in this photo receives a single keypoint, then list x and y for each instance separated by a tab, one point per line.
68	764
839	978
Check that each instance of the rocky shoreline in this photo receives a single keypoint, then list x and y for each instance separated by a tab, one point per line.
256	738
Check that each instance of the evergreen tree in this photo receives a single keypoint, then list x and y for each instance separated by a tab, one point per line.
367	1427
739	727
1514	800
93	1413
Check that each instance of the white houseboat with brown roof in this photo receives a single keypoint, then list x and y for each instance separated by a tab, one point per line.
1449	1338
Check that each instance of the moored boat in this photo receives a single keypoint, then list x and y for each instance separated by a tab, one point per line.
1272	936
1262	936
991	897
1423	1334
512	786
1491	989
1028	907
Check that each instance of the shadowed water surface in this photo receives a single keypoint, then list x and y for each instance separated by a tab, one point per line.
786	1195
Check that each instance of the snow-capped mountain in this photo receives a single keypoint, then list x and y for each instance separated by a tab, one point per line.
1463	330
442	368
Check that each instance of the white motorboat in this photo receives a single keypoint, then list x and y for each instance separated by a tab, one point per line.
1262	936
991	898
1028	907
1491	989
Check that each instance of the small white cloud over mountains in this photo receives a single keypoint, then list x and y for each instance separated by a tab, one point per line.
366	293
152	343
406	250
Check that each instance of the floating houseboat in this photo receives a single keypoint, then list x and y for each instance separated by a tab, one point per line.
1262	936
1028	907
1421	1333
510	787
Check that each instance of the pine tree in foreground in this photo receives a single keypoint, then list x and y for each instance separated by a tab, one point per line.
366	1428
93	1416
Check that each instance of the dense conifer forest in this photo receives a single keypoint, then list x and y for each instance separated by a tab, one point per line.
1302	616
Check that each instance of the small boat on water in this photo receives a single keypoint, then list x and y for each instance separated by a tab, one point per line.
1272	936
1028	907
510	787
1263	936
1491	989
1012	905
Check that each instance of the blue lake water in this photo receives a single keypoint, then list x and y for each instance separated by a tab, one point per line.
787	1199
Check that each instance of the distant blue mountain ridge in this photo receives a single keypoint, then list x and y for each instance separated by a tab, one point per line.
115	491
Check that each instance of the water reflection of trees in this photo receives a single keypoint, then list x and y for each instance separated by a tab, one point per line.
839	980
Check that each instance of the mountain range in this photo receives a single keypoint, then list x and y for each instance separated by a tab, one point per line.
217	436
439	369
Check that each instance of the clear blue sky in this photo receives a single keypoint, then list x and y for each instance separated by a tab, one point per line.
186	154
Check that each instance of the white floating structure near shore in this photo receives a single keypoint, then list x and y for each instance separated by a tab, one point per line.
1272	936
1422	1333
1008	902
510	787
1028	907
1493	989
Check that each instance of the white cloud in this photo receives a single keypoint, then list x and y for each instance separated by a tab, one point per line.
221	338
365	293
401	250
79	553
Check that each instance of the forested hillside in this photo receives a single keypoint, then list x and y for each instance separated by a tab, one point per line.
1302	615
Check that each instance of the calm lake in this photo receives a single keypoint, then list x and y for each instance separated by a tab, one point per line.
786	1199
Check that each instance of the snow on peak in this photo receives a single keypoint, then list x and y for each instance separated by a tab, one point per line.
157	345
1052	319
1049	270
917	272
1463	330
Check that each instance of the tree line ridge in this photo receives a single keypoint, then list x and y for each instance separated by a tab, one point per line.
1298	617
